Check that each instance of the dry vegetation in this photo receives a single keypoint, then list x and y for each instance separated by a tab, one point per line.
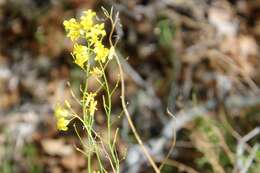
197	58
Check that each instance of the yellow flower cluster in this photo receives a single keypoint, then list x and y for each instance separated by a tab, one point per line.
92	32
92	54
62	115
73	28
93	57
87	19
101	52
80	54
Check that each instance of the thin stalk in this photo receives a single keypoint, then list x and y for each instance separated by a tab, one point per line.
108	113
93	143
108	107
89	163
172	145
84	96
148	156
146	153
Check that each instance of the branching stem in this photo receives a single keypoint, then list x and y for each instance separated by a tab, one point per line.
144	149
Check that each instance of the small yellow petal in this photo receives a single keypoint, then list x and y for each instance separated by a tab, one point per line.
62	124
73	28
90	96
59	111
101	52
87	19
96	33
92	107
81	55
91	103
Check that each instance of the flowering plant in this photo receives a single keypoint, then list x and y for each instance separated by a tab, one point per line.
92	57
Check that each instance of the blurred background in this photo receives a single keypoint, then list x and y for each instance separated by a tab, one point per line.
198	58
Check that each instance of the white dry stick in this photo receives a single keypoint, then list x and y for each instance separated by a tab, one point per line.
240	166
250	159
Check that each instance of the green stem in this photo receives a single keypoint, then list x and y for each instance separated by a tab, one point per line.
84	95
89	163
108	114
108	108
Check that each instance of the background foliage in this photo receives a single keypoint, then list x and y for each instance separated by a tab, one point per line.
198	58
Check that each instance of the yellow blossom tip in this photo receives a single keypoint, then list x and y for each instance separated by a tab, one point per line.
80	54
62	124
59	111
91	103
101	52
73	28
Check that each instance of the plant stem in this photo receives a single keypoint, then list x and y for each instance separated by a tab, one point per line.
108	114
146	153
89	163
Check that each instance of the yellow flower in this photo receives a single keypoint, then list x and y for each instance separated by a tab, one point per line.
96	33
91	103
73	28
80	54
87	19
96	72
92	107
90	96
62	124
93	33
60	112
101	52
